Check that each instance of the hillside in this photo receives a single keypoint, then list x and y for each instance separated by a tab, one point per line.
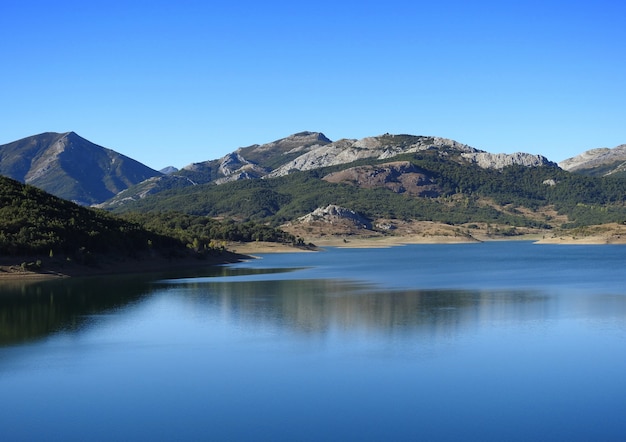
71	167
390	181
35	222
431	184
598	162
59	235
307	151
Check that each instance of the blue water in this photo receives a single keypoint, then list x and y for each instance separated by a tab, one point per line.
495	341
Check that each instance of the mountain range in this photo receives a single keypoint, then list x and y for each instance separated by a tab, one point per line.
309	151
381	177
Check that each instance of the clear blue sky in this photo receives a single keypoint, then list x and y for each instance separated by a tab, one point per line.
175	82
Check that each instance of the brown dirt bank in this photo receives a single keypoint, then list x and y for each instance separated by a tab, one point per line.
394	232
612	233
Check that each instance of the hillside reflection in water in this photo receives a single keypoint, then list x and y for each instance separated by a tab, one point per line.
483	342
315	306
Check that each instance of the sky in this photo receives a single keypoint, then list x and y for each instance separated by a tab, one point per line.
170	83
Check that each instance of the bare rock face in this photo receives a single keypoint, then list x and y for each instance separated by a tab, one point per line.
234	167
488	160
333	214
380	147
246	172
231	163
604	161
399	177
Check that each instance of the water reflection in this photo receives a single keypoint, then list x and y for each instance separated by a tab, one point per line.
31	310
317	306
248	296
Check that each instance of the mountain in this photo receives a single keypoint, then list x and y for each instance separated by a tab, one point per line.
169	169
390	180
255	161
598	162
70	167
245	163
313	150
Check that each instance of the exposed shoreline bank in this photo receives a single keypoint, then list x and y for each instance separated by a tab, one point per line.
394	241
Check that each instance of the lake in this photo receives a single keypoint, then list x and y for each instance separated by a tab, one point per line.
492	341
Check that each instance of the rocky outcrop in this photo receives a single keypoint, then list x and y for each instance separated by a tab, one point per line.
234	167
333	214
254	161
247	172
231	163
488	160
276	153
399	177
602	161
380	148
146	188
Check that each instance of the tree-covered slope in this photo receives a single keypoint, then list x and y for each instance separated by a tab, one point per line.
466	193
35	222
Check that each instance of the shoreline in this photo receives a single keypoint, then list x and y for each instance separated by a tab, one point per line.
109	266
237	252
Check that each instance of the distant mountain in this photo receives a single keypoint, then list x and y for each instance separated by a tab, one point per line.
598	162
169	169
71	167
255	161
313	150
387	179
245	163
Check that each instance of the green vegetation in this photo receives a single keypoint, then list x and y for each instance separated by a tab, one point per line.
201	232
33	222
464	189
177	220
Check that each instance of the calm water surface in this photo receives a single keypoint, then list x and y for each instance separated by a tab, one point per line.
495	341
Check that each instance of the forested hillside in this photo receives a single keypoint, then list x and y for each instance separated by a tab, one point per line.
467	193
35	223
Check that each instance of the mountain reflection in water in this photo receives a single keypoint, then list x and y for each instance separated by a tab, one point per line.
315	306
34	310
499	341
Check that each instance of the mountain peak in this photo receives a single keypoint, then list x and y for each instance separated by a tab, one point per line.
600	161
315	136
70	167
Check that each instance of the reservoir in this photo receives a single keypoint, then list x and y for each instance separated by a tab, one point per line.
491	341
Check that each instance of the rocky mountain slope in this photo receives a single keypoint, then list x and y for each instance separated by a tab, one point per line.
70	167
313	150
598	162
399	177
